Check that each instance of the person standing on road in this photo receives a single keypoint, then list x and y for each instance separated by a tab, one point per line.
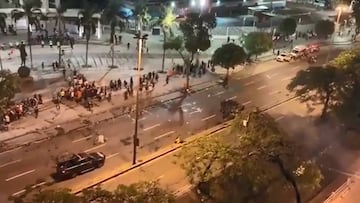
36	111
128	45
167	79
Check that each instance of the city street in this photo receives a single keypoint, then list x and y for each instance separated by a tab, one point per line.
159	126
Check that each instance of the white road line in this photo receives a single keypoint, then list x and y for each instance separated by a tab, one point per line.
164	135
96	147
23	191
231	98
160	177
9	163
19	175
287	78
268	76
112	155
81	139
197	111
219	93
279	118
249	83
274	92
186	104
12	150
261	87
151	127
246	103
183	190
209	117
131	117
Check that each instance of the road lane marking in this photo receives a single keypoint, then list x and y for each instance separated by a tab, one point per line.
183	190
209	117
249	83
23	191
219	93
158	178
151	127
287	78
164	135
112	155
231	98
193	112
12	150
279	118
19	175
96	147
9	163
246	103
185	105
268	76
81	139
131	118
261	87
274	92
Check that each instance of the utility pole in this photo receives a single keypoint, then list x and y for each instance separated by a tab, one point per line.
136	142
1	65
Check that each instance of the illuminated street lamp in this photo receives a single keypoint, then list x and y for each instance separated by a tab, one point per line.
202	4
141	38
193	3
218	2
173	4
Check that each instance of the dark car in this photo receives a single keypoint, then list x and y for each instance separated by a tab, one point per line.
77	164
229	109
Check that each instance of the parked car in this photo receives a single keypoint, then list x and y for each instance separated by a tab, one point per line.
312	48
76	164
284	57
299	51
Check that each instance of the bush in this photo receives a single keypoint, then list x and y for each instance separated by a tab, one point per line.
24	72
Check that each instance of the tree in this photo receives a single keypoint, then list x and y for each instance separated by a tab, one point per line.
3	17
97	195
111	15
196	28
144	192
324	28
257	43
317	84
56	196
287	26
166	20
141	13
356	14
228	56
60	24
30	10
8	88
87	20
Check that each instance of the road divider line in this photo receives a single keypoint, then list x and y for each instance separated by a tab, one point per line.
268	76
151	127
164	135
249	83
279	118
246	103
9	163
231	98
274	92
12	150
261	87
19	175
186	104
219	93
33	187
81	139
112	155
209	117
96	147
287	78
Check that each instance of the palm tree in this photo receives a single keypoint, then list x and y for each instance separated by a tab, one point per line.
60	10
111	15
30	10
166	20
87	20
141	13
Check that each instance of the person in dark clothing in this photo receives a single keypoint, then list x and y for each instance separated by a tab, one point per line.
119	84
128	45
36	111
167	79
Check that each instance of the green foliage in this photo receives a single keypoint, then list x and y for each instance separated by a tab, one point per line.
356	13
31	10
175	43
142	13
167	19
229	55
24	72
324	28
196	28
8	88
56	196
317	84
257	43
288	26
86	19
3	17
110	15
97	195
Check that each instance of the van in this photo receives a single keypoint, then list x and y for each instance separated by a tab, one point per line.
299	51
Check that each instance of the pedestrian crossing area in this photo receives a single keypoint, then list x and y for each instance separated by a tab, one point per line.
99	61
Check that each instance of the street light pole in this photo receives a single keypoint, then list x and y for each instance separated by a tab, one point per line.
140	39
1	65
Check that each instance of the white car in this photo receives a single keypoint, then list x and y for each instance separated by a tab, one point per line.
284	57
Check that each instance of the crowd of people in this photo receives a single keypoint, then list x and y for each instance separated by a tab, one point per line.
21	109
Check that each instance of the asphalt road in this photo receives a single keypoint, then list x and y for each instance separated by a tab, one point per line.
158	127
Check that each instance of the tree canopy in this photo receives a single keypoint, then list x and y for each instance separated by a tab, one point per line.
316	84
324	28
8	88
356	13
257	43
288	26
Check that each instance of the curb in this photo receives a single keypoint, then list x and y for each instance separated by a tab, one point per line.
104	120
